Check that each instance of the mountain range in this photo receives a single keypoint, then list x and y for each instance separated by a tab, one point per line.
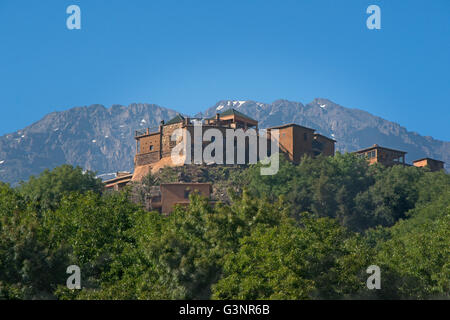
101	139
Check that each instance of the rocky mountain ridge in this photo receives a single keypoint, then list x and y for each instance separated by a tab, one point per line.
101	139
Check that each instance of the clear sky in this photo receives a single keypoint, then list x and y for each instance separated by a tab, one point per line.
187	55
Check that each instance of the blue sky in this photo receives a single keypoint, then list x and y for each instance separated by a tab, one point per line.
187	55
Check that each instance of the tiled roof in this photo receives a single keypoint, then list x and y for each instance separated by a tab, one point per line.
235	112
178	118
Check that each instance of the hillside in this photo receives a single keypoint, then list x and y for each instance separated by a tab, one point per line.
352	128
101	139
309	232
95	138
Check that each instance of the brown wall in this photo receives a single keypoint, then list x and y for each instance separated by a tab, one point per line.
374	156
300	145
172	194
421	163
387	157
167	144
223	131
162	146
286	142
432	164
383	156
146	158
328	145
295	141
147	141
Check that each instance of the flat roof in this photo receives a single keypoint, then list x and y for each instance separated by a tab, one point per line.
185	183
137	137
291	125
124	177
375	146
318	134
427	159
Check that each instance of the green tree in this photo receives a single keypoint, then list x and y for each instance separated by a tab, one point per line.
96	230
316	259
48	188
415	263
29	269
388	200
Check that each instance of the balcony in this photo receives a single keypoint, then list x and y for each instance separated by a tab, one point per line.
144	132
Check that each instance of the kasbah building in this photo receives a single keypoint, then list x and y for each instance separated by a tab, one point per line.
154	149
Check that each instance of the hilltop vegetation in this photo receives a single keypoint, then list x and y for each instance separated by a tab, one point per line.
102	139
309	232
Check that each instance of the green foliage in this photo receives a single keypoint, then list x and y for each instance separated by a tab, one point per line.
49	187
416	261
388	200
29	269
326	186
96	229
180	256
316	259
308	232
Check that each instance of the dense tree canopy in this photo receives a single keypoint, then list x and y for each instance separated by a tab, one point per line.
308	232
49	187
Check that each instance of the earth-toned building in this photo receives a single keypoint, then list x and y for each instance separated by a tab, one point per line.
154	148
433	164
390	157
385	156
154	145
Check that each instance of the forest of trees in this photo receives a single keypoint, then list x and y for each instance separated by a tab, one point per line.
308	232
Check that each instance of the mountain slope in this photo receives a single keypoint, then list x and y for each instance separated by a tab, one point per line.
95	138
101	139
352	128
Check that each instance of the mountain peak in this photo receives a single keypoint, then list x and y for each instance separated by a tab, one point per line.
68	136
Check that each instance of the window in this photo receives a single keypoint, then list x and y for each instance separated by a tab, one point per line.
370	154
186	193
305	136
151	148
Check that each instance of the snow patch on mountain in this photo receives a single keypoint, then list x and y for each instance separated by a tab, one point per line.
237	104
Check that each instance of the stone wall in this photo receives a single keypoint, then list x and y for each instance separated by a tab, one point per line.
146	158
166	144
